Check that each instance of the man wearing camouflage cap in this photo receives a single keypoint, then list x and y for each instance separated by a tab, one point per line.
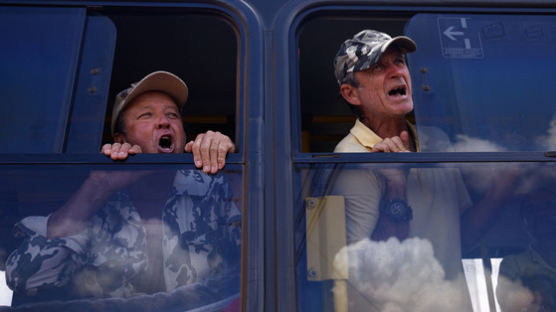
374	79
380	203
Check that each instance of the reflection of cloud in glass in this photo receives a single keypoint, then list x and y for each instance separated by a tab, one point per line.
513	296
466	143
548	142
404	276
481	177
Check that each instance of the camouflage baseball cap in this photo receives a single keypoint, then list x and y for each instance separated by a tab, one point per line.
364	50
161	81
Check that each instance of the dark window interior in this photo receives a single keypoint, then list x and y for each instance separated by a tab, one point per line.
55	90
198	46
472	77
325	117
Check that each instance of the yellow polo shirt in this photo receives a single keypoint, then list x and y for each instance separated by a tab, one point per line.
361	139
437	195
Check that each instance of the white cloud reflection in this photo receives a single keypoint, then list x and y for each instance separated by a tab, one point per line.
512	296
548	141
544	142
394	276
466	143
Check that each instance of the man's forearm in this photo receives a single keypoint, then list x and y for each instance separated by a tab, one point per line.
477	220
72	218
386	227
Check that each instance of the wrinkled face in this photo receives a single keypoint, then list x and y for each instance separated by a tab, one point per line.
153	122
385	88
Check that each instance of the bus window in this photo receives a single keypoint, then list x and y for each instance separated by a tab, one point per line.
369	225
471	78
170	239
461	221
61	84
165	236
200	48
38	73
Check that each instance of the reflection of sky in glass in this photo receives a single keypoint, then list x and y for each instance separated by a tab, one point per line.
5	292
545	141
405	276
492	81
388	274
549	140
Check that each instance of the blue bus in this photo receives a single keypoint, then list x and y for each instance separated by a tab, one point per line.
482	186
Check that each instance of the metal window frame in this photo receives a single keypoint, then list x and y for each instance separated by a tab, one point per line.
250	100
287	120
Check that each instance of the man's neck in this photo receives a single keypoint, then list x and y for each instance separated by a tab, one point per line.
386	127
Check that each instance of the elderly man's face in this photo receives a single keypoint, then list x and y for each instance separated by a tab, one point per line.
153	122
385	88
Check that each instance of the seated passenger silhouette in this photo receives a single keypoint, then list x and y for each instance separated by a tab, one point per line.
130	233
534	268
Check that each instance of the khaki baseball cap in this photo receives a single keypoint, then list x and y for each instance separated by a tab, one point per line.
162	81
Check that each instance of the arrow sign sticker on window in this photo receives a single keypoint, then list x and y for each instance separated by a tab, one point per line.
450	33
458	38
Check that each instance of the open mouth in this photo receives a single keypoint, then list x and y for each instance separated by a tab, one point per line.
165	143
397	91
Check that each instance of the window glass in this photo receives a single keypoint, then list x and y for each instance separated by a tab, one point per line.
325	118
38	72
485	79
199	46
91	91
360	248
59	84
482	79
163	237
167	239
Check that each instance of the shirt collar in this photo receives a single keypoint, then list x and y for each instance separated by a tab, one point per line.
368	138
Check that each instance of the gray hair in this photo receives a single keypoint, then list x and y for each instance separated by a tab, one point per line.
349	79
